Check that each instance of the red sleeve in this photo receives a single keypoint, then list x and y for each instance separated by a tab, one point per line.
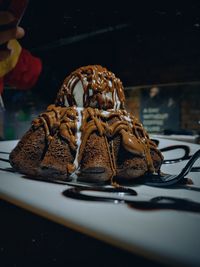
26	72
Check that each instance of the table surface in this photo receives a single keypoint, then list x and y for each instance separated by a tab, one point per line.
161	235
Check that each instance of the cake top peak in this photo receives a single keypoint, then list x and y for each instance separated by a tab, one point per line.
92	86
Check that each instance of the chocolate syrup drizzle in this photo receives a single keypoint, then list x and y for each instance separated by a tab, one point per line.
64	120
118	197
134	137
98	83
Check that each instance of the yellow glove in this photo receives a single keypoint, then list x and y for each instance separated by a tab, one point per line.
10	62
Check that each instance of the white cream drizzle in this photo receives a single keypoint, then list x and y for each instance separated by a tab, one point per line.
117	102
78	141
79	132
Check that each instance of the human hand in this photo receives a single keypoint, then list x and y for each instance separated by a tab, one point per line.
15	32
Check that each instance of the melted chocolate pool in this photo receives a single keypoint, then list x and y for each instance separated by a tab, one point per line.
156	203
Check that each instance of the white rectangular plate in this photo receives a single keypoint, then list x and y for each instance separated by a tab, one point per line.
171	236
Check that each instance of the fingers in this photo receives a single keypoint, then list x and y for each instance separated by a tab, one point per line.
7	35
19	33
6	17
14	33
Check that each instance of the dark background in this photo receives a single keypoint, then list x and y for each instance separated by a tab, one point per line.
142	42
30	240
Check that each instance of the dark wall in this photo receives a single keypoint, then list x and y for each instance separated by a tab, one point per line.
143	43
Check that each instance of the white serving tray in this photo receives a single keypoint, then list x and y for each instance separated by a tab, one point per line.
169	236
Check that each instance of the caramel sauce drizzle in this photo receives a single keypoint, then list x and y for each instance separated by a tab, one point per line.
93	78
98	83
63	120
59	120
134	137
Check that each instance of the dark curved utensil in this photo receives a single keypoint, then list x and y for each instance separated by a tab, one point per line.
186	155
164	180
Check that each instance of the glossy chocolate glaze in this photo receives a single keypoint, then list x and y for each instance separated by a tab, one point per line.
63	120
101	88
102	112
90	103
133	135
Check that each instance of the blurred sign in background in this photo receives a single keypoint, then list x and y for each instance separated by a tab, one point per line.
167	108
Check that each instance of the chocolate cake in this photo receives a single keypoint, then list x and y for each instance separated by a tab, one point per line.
87	132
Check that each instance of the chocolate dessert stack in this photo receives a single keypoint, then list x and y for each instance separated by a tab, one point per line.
88	132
